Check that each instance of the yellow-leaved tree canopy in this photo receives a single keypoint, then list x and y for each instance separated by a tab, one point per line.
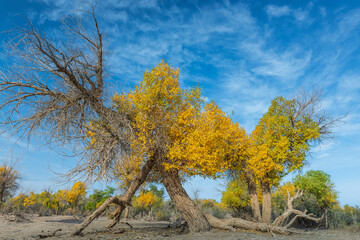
279	144
181	134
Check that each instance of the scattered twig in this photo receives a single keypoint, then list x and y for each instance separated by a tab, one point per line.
51	234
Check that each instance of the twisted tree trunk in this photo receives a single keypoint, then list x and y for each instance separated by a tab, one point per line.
188	209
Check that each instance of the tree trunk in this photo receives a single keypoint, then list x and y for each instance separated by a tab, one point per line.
188	209
255	206
266	205
326	218
127	212
121	202
2	190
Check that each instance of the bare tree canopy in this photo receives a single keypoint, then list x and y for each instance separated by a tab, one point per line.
56	87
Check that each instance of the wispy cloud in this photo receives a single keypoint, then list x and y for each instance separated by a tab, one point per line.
278	11
299	14
243	55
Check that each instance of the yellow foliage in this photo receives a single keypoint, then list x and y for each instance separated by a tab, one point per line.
145	200
285	190
194	139
280	142
30	200
77	190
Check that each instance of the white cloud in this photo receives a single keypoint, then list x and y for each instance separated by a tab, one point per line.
287	65
299	14
277	11
347	24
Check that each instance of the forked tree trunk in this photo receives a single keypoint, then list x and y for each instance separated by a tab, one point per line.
254	200
121	202
266	204
188	209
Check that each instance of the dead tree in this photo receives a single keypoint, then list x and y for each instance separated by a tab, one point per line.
280	220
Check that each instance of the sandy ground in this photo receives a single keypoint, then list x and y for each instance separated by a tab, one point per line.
141	230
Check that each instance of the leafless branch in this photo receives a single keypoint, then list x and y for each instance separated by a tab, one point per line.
56	87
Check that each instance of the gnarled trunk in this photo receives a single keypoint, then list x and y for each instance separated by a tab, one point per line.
266	204
188	209
121	202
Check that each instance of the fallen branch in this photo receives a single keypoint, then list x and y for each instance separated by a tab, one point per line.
304	215
99	211
279	221
121	202
231	223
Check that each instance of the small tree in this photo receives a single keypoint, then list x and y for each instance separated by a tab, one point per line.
99	197
144	202
236	196
73	196
9	178
319	184
280	144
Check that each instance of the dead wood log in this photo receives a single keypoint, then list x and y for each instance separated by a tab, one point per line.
121	202
98	212
232	223
51	234
280	220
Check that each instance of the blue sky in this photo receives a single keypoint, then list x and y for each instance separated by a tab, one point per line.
242	53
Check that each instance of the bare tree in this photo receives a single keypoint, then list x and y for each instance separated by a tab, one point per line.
57	87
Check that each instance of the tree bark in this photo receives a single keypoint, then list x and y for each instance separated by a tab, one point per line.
266	204
188	209
255	206
127	212
121	202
